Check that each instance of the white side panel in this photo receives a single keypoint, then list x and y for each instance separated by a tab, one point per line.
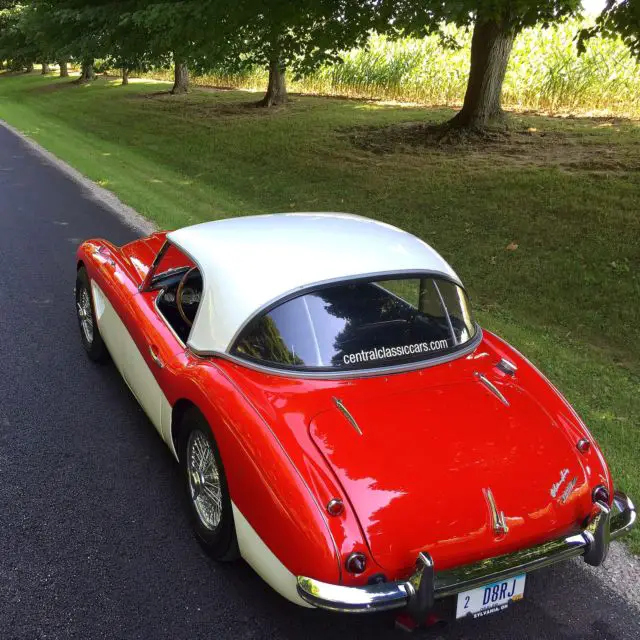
112	330
132	365
143	384
264	562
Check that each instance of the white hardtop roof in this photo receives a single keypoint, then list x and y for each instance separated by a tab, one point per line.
250	262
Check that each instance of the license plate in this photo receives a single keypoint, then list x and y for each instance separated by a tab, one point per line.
491	598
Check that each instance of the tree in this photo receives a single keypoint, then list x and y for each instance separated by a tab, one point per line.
168	32
495	24
85	30
87	72
16	42
124	42
180	75
282	36
57	32
134	34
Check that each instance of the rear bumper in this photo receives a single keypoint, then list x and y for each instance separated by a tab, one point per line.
419	592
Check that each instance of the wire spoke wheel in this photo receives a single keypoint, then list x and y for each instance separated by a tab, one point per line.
85	314
204	480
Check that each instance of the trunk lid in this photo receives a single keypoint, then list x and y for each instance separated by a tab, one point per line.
418	474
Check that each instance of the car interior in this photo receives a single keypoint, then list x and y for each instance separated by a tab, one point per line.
179	298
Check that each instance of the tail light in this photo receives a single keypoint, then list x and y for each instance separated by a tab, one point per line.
583	445
335	507
601	494
356	562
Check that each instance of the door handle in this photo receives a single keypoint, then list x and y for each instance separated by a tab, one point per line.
155	357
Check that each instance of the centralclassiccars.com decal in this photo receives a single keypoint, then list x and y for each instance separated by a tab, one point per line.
380	353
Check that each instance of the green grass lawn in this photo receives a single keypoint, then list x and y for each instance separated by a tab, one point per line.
542	225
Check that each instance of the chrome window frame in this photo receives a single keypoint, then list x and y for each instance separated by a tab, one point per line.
146	286
328	374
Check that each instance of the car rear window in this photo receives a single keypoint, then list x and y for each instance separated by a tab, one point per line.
361	325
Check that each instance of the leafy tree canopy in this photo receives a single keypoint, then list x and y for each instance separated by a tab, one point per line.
299	35
622	17
18	44
423	16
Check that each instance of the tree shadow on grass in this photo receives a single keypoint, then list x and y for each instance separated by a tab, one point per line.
200	104
518	145
63	84
582	118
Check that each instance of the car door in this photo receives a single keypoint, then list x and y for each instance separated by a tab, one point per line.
155	363
144	349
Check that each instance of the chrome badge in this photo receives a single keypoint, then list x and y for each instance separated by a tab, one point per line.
497	517
566	492
555	487
568	489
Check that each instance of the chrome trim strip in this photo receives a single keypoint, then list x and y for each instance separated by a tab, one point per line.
352	373
165	321
446	312
492	387
399	594
497	517
156	358
312	330
154	265
202	299
347	415
506	366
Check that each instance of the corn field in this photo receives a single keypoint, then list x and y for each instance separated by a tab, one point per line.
545	73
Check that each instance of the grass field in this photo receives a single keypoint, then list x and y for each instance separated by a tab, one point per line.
545	72
542	224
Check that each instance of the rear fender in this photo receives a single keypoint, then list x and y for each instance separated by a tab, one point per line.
264	485
536	383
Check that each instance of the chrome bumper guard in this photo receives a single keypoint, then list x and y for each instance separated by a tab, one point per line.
420	591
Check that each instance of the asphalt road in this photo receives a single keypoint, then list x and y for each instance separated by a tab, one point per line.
94	539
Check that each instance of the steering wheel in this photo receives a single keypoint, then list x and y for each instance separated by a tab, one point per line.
183	281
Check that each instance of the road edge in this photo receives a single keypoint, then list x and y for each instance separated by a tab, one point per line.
134	220
619	573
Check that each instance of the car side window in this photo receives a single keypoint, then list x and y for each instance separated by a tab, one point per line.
180	290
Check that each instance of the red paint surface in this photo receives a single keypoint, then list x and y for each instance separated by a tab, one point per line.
431	441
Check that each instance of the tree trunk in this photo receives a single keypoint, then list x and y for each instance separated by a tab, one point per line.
180	77
45	68
64	71
125	76
277	89
28	68
490	50
87	73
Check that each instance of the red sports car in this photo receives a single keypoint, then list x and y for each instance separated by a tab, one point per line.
341	421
